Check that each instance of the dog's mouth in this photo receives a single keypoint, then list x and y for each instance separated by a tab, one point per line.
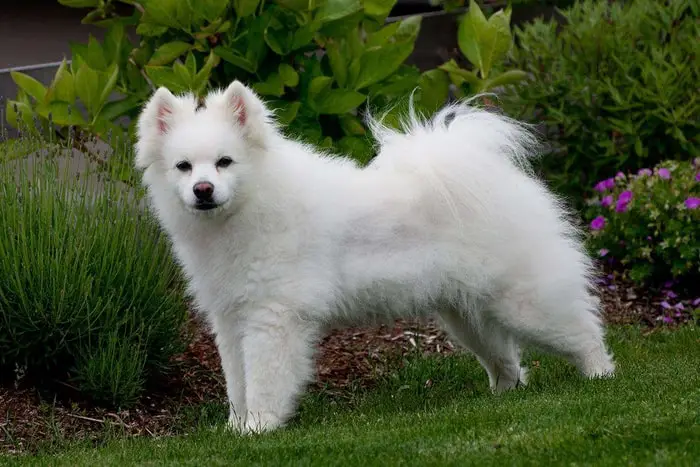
206	206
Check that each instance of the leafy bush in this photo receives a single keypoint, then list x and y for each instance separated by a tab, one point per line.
317	63
650	222
89	295
616	88
485	44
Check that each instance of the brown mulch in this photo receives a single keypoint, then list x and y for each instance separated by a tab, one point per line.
348	359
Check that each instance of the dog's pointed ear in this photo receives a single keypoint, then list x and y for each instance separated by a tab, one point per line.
247	111
155	121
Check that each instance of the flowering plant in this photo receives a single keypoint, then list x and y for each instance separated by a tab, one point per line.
650	222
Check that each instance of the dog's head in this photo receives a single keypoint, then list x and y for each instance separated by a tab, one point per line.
203	152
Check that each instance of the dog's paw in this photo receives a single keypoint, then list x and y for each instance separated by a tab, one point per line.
261	422
506	382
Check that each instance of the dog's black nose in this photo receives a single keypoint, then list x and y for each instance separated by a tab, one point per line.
203	191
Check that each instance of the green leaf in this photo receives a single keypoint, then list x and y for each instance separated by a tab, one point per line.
318	86
182	73
434	89
235	59
272	86
245	7
379	62
459	75
115	109
201	79
168	52
80	3
87	87
62	113
337	62
285	112
116	44
333	101
16	111
95	57
289	76
333	10
357	147
150	29
507	78
379	9
62	87
191	64
352	125
165	76
29	85
107	86
483	42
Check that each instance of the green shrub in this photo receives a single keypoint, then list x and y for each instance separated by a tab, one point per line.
89	294
650	222
318	64
616	88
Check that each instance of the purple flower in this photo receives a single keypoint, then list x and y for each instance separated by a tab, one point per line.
671	294
669	284
598	223
665	305
664	173
643	172
605	185
696	302
692	202
697	177
625	196
619	176
603	251
606	201
667	319
679	306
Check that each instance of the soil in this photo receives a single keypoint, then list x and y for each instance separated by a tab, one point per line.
348	359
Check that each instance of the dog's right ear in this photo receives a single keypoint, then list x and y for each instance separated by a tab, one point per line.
155	121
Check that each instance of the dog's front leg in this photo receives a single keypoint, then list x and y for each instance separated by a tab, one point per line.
229	332
279	349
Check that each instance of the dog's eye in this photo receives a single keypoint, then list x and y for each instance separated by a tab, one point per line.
224	162
183	166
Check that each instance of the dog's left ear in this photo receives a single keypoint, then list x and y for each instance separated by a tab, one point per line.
246	111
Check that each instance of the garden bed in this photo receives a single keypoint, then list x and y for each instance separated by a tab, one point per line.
350	361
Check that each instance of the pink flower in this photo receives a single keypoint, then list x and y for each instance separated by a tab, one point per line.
610	183
664	173
598	223
692	203
619	176
643	172
606	201
603	252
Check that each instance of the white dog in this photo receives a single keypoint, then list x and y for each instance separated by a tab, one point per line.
279	242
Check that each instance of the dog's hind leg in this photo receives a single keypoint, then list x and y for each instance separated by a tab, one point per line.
279	348
568	326
496	349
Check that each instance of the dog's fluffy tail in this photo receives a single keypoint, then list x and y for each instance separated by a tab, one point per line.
458	128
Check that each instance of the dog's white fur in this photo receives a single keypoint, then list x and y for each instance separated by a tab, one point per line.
447	218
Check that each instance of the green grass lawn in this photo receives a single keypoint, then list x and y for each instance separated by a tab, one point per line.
648	415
